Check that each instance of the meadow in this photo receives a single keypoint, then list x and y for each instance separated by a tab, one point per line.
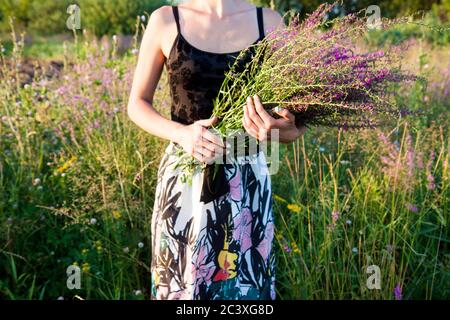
77	181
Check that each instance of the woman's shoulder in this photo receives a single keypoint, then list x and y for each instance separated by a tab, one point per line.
163	14
272	18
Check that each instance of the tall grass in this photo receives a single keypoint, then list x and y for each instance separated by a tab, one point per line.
77	181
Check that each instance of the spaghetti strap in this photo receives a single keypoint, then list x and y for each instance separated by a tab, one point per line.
259	14
177	17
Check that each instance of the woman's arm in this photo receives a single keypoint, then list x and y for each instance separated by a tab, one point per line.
195	139
147	74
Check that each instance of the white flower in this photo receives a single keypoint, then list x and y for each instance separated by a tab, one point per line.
93	221
355	250
36	181
344	162
3	50
60	298
135	51
126	250
321	149
137	292
140	245
348	222
26	87
63	174
114	37
9	221
40	188
115	110
143	18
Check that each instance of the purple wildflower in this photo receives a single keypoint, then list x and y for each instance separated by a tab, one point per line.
398	292
411	207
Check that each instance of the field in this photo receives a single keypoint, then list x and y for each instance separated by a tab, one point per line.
77	179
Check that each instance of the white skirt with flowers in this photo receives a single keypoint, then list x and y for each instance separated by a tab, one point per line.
218	250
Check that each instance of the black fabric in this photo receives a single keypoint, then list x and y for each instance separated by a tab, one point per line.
195	77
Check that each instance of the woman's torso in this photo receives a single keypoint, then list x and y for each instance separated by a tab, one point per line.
195	75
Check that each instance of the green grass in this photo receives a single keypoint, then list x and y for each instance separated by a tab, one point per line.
69	155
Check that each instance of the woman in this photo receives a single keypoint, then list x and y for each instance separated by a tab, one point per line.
207	244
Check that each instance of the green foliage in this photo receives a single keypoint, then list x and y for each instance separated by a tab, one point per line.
101	16
114	17
432	28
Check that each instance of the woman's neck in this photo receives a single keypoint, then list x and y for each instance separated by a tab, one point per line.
220	8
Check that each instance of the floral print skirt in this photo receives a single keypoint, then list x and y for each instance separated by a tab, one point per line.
219	250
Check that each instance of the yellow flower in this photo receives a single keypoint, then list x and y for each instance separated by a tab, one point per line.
85	267
295	247
66	165
294	207
278	198
116	214
84	251
75	263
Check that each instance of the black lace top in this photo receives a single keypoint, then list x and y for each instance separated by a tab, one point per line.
195	75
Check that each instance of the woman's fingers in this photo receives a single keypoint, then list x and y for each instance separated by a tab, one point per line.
207	122
252	114
263	114
249	126
284	113
209	136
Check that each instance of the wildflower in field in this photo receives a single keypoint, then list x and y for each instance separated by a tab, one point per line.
135	51
66	165
126	250
60	298
143	17
137	177
344	162
93	221
116	214
84	251
294	207
355	250
287	248
398	292
295	247
322	149
335	216
278	198
137	292
85	267
9	221
140	245
411	207
348	222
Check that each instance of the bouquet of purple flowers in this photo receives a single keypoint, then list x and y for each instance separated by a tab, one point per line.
316	70
318	73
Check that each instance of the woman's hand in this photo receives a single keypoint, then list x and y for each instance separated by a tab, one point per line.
198	141
259	123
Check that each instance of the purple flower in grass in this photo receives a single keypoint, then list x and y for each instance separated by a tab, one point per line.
411	207
398	292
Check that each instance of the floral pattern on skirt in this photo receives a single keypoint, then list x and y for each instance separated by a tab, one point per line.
220	250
